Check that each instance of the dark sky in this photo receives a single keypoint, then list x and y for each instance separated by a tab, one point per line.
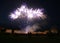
51	7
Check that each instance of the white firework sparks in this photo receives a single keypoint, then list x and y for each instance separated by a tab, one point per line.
30	14
24	11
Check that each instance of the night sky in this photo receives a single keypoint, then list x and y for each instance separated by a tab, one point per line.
51	9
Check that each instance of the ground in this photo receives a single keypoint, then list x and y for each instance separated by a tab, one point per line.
29	38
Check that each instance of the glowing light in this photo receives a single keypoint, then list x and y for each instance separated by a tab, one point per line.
17	13
29	13
30	16
13	16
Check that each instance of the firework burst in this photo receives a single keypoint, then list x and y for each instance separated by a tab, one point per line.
30	14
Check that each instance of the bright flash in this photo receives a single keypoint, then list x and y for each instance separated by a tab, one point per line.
13	16
29	14
26	12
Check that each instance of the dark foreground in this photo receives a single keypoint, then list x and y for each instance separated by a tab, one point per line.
29	38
